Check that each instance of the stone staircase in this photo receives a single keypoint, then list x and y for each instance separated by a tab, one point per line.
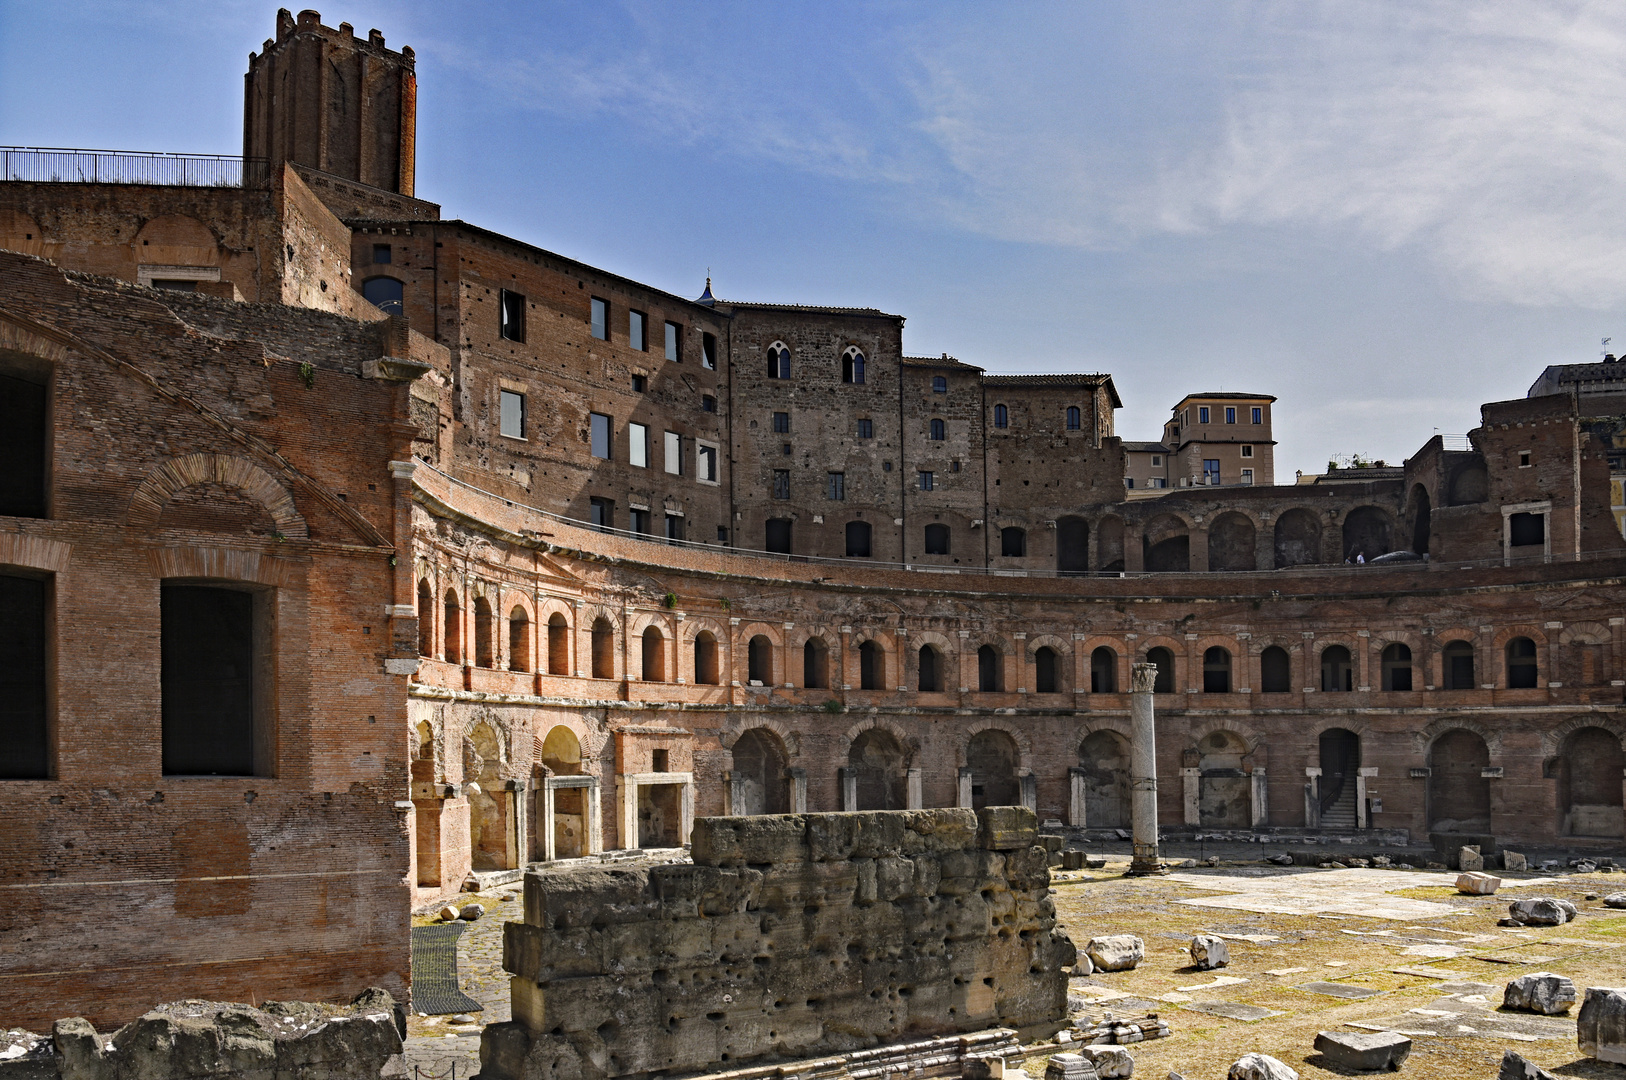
1341	814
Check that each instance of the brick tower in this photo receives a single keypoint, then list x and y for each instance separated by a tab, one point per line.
326	99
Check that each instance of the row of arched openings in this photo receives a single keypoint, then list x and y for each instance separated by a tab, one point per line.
854	366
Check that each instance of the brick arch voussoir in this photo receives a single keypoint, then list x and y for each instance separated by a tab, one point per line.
1424	739
1204	728
1024	743
239	473
1552	741
1585	633
738	726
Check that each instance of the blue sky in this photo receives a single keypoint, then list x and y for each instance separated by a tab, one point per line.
1384	214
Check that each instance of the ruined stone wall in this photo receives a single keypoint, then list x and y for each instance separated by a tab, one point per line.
789	936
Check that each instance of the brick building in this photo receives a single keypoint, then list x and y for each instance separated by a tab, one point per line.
540	561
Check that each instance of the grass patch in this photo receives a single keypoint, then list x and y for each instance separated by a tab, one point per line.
1612	926
1427	892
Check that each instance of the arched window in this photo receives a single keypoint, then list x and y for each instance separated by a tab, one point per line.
759	661
778	361
384	293
1521	664
1045	680
815	664
1275	671
1397	666
603	649
1074	418
705	658
1104	671
1164	659
426	619
1216	671
988	670
858	534
482	632
1002	416
931	669
519	640
871	675
654	668
1337	673
852	365
939	384
1458	660
558	645
1013	542
939	430
452	628
937	539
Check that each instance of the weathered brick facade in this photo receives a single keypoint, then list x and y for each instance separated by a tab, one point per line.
418	493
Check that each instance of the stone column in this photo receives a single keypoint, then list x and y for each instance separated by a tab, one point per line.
1361	776
686	813
593	842
732	793
1075	807
849	788
1260	799
964	794
545	823
1312	798
798	790
1030	792
912	790
1192	783
1143	771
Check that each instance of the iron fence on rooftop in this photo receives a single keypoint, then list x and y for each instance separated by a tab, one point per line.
58	165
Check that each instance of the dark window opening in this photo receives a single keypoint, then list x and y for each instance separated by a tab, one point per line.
926	479
1013	542
603	647
602	512
939	431
674	527
601	319
512	308
1337	672
930	673
452	629
1103	671
384	293
836	486
937	540
674	342
1525	530
1002	416
939	384
382	254
759	661
866	428
778	362
426	619
638	519
852	366
1397	667
482	633
1458	660
1045	671
1074	418
208	682
659	760
781	422
24	721
176	284
815	664
858	537
777	539
1521	664
1164	660
1275	671
708	403
654	655
598	430
705	658
869	666
988	670
1216	671
519	640
23	433
636	336
708	351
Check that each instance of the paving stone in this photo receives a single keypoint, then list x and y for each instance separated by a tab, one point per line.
1339	990
1371	1052
1231	1010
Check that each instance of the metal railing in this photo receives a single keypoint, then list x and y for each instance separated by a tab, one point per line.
58	165
1456	442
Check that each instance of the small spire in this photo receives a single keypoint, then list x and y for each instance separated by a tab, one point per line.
706	297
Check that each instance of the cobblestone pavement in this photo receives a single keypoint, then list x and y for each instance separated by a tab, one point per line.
434	1044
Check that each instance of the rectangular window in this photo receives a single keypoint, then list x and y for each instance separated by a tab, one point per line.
24	407
1247	450
1247	476
925	480
781	483
599	428
708	351
954	466
866	428
512	315
1258	415
674	453
722	534
638	446
1129	481
513	414
1526	529
635	330
1524	459
1158	482
24	722
939	430
639	384
708	403
640	520
1211	472
707	456
212	639
602	512
381	254
1157	460
674	527
781	422
1230	414
837	486
1202	414
674	334
601	319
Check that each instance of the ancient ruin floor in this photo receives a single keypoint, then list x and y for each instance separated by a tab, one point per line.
1408	950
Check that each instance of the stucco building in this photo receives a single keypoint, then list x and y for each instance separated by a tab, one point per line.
541	561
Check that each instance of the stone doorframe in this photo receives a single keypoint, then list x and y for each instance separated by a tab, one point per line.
593	840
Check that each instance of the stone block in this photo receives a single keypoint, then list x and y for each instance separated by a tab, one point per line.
563	899
1515	1067
1541	911
1070	1067
1111	1062
1072	859
1615	900
1600	1029
1007	828
1115	952
80	1051
1469	859
759	838
1539	992
1260	1067
936	831
1208	952
1512	860
1095	862
1368	1051
1477	883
